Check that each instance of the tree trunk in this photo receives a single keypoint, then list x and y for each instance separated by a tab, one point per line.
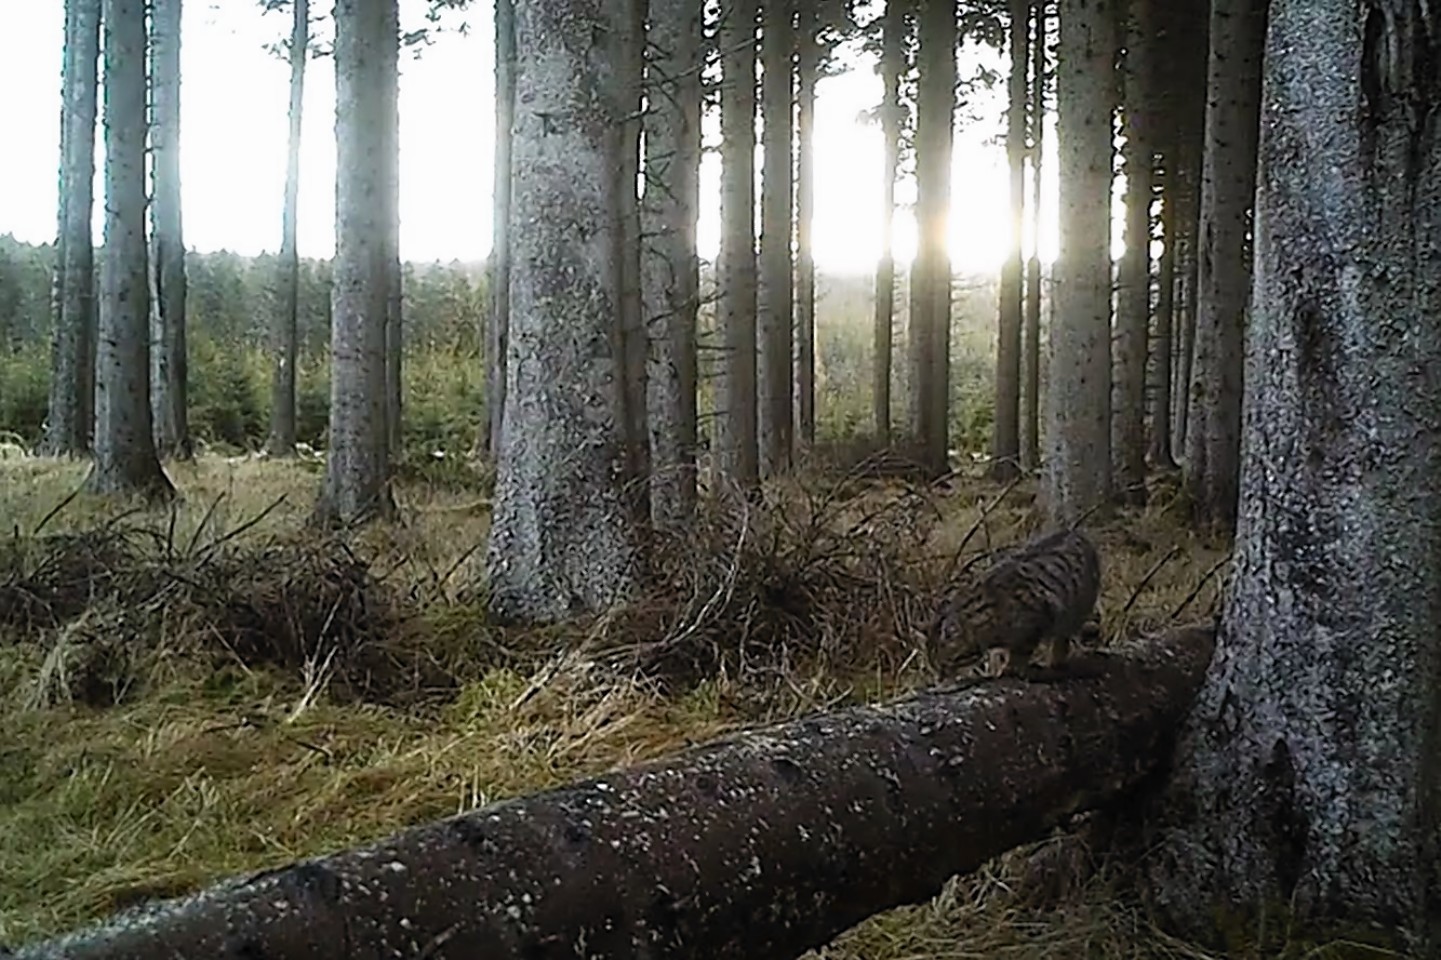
284	333
829	819
497	335
1184	329
1133	306
1307	781
807	72
125	457
357	463
1223	286
565	537
930	328
735	406
390	202
1006	444
70	423
774	300
670	270
893	64
1078	395
632	327
1190	98
57	266
1162	357
168	367
1031	411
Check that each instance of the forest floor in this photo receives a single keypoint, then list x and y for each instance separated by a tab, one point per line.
195	692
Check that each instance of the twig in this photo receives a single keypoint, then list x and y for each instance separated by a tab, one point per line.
1150	574
56	509
1085	516
1200	585
985	512
247	525
205	520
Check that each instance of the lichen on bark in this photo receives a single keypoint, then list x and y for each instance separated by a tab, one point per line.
1307	776
565	537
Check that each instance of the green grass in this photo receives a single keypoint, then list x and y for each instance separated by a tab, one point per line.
217	767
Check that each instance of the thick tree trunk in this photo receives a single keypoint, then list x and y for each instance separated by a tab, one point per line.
774	293
831	819
893	64
1006	445
565	537
497	329
69	426
930	326
169	400
1078	395
1031	393
125	457
808	55
670	270
1223	285
284	334
735	395
357	463
1307	784
1133	303
390	197
1163	354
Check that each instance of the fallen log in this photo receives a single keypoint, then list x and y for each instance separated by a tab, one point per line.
764	844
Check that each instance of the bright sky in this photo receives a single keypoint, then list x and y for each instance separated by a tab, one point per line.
234	129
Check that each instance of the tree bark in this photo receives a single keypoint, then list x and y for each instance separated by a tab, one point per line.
1223	285
497	335
57	266
1078	395
1031	410
893	64
1133	303
735	394
632	329
284	335
1163	356
670	270
125	457
1184	323
70	423
169	400
930	326
565	538
808	57
390	201
357	463
1306	783
774	292
1006	444
1189	99
765	844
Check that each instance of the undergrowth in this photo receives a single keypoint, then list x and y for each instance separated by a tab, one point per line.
190	694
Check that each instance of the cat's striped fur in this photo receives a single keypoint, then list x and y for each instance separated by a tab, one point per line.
1043	590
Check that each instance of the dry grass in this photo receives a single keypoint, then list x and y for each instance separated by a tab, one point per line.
216	759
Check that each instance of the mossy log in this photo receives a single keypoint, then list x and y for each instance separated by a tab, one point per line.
763	844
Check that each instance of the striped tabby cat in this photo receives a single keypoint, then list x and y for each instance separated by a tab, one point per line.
1043	590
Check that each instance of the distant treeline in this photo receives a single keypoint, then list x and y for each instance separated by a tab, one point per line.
230	296
229	306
